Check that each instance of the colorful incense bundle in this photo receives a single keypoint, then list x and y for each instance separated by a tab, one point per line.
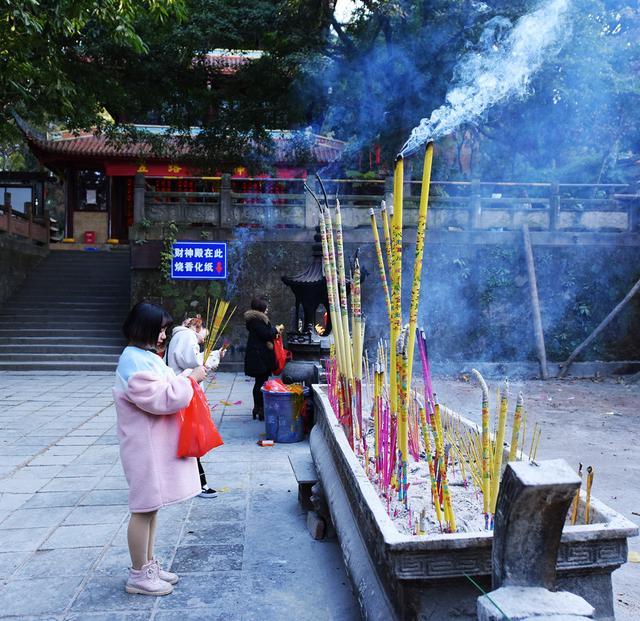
217	320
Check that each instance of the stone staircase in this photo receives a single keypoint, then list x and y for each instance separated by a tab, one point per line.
67	315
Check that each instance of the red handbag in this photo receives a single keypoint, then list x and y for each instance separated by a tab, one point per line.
282	355
198	433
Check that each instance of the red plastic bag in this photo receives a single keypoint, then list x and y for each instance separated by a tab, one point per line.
276	385
282	355
198	433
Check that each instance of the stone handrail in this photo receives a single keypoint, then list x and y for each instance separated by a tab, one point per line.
454	205
20	225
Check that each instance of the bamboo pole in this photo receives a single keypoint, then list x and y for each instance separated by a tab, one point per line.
421	230
535	303
603	324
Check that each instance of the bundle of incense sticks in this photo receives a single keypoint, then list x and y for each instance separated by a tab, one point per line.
378	397
218	317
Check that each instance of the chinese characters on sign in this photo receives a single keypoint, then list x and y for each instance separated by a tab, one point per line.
199	261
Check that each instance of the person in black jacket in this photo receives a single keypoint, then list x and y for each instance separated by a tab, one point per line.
259	359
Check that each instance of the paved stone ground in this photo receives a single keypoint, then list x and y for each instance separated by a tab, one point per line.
63	517
593	422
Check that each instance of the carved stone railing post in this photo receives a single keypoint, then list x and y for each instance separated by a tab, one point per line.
532	508
311	210
475	219
226	204
554	206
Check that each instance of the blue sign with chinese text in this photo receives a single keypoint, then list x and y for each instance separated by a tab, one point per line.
199	261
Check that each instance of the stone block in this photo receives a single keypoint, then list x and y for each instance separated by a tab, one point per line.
315	525
522	603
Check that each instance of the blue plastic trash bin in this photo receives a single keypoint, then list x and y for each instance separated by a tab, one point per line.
283	415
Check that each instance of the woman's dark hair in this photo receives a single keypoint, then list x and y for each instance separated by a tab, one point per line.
144	322
259	304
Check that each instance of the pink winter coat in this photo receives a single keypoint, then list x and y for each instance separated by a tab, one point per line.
147	396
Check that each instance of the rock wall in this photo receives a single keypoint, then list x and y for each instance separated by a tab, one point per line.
475	297
17	259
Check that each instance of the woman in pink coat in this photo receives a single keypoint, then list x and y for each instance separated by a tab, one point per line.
148	395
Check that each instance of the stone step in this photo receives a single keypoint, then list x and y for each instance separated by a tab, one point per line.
61	307
85	302
58	332
62	350
73	357
36	314
73	341
104	367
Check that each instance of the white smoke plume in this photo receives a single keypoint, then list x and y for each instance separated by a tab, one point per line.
502	70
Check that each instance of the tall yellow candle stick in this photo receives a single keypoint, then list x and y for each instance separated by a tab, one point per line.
334	312
386	229
515	432
417	264
338	325
486	442
381	268
497	459
432	470
342	283
396	304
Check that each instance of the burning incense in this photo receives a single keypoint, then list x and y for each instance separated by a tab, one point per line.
499	451
587	504
342	283
417	264
383	274
219	320
576	498
486	472
432	472
515	432
384	216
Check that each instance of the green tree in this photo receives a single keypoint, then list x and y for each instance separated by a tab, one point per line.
44	46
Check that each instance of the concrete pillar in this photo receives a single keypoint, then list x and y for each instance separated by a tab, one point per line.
138	198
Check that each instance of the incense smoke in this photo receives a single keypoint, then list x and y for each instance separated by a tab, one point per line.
502	69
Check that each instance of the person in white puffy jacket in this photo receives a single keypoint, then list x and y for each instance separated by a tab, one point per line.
183	352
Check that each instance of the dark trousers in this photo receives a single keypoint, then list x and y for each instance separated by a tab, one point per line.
203	476
258	401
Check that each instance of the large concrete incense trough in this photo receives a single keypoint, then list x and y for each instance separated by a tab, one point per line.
399	576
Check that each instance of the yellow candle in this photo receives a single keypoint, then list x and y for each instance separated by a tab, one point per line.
417	264
497	459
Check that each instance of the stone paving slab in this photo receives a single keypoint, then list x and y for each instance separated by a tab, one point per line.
63	511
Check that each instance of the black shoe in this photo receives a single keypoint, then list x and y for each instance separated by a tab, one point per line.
207	492
255	414
261	415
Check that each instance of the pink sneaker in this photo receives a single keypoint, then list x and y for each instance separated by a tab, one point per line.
146	581
167	576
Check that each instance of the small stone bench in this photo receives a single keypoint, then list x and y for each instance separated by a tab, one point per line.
306	476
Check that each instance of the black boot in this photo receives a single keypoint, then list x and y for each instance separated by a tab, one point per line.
260	414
